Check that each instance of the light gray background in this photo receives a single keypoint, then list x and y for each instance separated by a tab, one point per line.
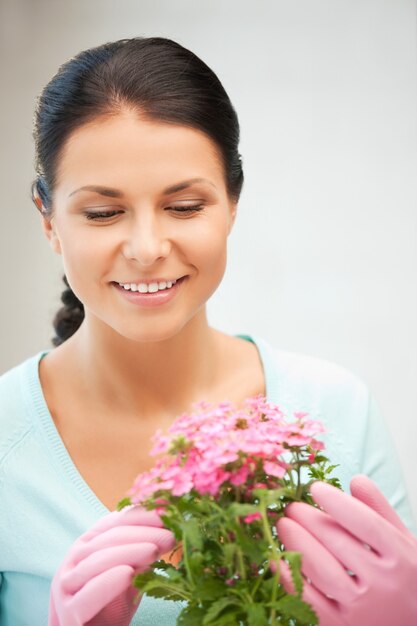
323	255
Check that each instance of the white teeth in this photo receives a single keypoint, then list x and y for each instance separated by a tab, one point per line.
151	287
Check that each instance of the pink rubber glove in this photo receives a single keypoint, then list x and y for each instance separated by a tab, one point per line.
362	534
93	583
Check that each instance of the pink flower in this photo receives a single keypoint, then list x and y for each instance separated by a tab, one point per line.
316	445
160	510
182	485
252	517
218	444
274	469
162	443
239	477
298	440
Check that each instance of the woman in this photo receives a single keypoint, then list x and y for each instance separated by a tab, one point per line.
138	181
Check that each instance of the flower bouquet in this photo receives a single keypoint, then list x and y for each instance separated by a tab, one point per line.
223	481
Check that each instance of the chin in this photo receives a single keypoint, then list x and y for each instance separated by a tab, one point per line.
151	334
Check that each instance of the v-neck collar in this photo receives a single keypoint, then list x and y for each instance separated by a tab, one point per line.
36	402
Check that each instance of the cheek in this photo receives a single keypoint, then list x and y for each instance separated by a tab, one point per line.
84	257
209	247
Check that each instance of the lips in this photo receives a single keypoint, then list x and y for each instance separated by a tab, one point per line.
177	281
153	299
147	281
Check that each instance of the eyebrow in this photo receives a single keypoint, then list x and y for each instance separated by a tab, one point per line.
115	193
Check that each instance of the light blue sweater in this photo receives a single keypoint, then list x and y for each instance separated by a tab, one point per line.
45	504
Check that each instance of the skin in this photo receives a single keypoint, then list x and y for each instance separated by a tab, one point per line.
157	370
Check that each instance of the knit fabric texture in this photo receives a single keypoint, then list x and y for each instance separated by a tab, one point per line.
46	504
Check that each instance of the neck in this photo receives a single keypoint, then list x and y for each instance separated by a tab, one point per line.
143	379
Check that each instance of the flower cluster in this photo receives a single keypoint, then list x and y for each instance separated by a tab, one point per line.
219	444
224	479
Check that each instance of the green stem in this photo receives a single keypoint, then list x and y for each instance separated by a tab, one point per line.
241	564
186	562
275	554
289	473
256	585
299	486
218	508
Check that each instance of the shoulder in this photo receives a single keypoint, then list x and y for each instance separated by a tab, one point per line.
327	391
313	380
15	390
357	437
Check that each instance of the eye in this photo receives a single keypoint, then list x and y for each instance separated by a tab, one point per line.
104	215
99	215
186	209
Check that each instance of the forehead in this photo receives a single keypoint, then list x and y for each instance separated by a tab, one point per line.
126	147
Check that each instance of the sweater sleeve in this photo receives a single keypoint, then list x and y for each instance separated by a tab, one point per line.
380	461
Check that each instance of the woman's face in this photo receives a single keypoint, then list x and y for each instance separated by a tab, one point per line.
159	210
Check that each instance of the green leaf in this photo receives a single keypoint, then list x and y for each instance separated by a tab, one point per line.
230	618
192	534
162	564
293	607
229	551
211	588
160	586
335	482
213	612
238	510
140	580
196	562
191	503
171	572
173	525
294	561
212	547
330	468
156	590
271	496
265	589
254	550
191	616
122	503
256	615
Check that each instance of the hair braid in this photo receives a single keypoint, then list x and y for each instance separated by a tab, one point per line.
69	317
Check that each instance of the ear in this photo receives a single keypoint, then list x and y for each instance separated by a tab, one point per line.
47	222
232	215
48	226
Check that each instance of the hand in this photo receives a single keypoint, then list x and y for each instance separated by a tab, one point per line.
93	585
361	534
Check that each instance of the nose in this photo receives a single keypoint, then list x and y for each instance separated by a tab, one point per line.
146	241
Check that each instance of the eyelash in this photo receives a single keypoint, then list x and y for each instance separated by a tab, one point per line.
103	214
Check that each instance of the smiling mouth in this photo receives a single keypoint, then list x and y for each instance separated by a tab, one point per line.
149	289
155	281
